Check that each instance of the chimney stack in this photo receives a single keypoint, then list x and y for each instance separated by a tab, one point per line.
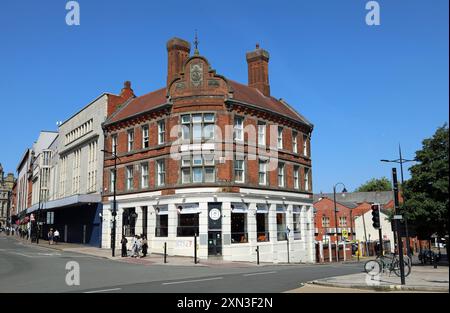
178	51
258	70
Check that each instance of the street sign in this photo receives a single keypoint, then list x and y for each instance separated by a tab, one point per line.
344	233
398	217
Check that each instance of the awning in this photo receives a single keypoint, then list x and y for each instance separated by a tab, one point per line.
262	208
239	207
162	209
66	202
188	208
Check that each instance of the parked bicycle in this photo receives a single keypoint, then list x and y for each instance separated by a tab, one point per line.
386	263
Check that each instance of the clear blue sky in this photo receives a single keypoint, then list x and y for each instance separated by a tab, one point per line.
365	88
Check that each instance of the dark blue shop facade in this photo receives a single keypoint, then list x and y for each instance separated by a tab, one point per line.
77	218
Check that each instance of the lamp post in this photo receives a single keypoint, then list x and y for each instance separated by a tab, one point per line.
114	210
401	160
344	190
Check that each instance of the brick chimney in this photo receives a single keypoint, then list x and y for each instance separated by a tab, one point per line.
178	51
258	70
114	101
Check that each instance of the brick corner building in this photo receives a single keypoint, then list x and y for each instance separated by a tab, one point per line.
212	157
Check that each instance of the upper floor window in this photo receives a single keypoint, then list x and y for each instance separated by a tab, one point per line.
145	137
129	177
307	174
280	138
130	140
325	221
261	133
198	168
294	142
144	175
114	144
343	221
239	169
198	127
281	175
112	178
296	177
161	132
305	145
262	172
160	172
238	128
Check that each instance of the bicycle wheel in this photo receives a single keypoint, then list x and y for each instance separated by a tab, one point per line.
372	267
406	267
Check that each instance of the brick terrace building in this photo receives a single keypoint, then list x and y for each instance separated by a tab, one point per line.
188	165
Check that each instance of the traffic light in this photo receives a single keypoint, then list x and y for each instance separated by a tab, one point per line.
376	215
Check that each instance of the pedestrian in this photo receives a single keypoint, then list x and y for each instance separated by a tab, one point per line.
56	236
144	246
50	236
124	242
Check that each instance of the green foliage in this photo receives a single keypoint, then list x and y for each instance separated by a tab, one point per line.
426	193
375	184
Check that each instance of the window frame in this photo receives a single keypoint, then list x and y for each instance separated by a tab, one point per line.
145	137
144	175
161	131
130	177
241	129
130	140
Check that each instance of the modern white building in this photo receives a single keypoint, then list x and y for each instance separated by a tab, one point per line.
366	232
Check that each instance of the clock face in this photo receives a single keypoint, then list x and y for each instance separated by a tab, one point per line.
214	214
196	74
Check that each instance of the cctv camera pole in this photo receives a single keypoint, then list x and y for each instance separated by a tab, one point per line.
400	243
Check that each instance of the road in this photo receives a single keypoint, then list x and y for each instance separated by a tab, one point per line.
27	268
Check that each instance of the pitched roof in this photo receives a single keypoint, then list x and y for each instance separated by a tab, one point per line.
250	95
242	93
138	105
382	197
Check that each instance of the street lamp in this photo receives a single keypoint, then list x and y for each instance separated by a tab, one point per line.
114	210
401	160
344	190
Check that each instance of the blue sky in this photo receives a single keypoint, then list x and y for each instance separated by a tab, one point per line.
366	89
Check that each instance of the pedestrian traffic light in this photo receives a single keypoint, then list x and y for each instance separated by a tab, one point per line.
376	215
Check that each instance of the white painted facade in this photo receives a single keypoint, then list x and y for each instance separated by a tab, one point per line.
80	161
371	234
273	251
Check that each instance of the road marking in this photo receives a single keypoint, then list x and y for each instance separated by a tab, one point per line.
260	273
103	290
28	256
191	281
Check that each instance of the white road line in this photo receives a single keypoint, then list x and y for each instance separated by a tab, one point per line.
104	290
260	273
191	281
28	256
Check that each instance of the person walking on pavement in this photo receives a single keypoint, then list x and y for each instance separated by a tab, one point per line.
56	236
50	236
124	242
144	246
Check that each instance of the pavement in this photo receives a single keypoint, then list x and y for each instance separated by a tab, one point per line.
422	278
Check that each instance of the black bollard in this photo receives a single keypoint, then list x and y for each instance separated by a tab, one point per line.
195	249
257	255
165	252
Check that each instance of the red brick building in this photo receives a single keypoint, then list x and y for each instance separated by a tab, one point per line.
212	157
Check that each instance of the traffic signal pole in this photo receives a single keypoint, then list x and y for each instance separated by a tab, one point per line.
381	241
397	228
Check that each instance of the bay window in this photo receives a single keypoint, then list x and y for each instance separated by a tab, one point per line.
198	168
198	127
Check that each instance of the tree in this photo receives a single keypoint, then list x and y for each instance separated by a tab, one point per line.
375	184
426	192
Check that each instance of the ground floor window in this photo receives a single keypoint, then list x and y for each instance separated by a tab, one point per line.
262	227
162	225
281	226
129	217
239	228
297	229
187	225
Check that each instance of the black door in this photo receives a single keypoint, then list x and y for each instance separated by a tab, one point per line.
214	228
